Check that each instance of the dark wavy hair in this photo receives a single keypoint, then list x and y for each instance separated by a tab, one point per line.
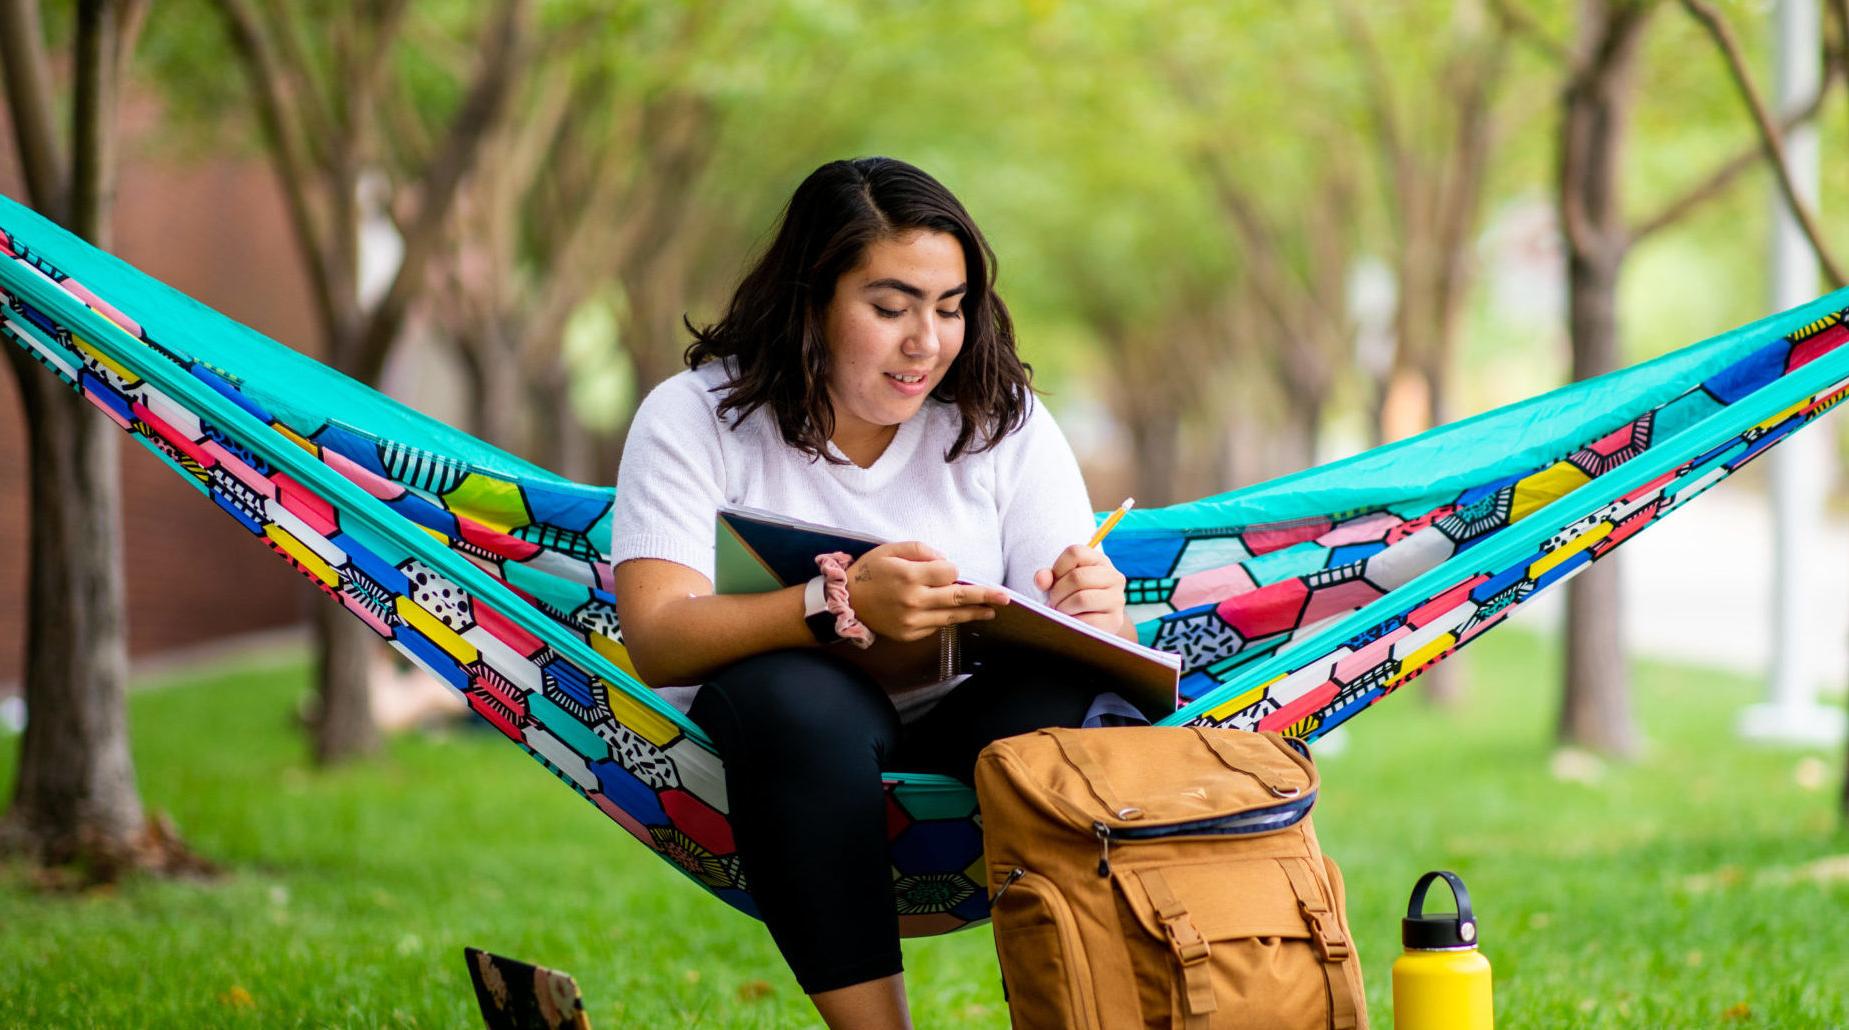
772	329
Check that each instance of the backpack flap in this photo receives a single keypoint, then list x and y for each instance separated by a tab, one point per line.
1171	775
1257	935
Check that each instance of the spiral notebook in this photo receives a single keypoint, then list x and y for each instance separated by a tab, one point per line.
759	551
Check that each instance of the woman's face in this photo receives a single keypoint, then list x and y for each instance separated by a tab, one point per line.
893	328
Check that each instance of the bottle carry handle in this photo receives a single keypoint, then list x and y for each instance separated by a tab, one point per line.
1415	907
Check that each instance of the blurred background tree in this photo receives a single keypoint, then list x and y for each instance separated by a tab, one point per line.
75	801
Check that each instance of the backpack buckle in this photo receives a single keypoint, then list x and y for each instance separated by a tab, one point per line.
1185	940
1330	947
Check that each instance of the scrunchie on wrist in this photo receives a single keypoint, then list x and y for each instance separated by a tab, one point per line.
834	591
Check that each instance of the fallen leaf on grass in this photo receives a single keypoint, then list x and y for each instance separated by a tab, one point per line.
1829	869
237	998
1738	1010
1574	765
1725	876
1823	871
754	990
1810	773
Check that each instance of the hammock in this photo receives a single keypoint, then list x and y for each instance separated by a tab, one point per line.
1295	603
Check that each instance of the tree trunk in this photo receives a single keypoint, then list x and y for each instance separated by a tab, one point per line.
560	441
1299	433
1155	440
1595	704
1446	683
75	802
498	400
359	333
75	799
342	721
1595	710
1842	803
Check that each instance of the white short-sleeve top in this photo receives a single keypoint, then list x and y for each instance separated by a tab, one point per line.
998	514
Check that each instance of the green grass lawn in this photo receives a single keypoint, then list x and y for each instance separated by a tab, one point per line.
1705	885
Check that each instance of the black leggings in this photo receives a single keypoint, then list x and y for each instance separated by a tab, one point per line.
805	737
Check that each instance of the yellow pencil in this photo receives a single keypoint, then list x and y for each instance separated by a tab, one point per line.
1111	523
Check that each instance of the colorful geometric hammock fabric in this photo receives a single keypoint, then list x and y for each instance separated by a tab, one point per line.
1295	603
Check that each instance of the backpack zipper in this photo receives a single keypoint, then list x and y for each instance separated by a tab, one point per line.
1260	820
1016	874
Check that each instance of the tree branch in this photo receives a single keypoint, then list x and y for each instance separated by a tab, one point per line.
370	62
1724	175
1461	202
286	154
504	39
28	93
1522	26
1575	224
1382	114
1770	137
1268	280
1595	101
586	248
130	16
294	65
550	117
93	120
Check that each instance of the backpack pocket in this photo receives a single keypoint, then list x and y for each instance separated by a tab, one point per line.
1235	944
1045	974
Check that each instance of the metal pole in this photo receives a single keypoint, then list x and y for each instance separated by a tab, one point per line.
1801	465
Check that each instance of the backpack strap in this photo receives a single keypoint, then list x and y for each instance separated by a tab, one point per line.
1326	937
1220	744
1190	948
1088	766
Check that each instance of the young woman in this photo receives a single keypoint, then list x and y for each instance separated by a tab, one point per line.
864	376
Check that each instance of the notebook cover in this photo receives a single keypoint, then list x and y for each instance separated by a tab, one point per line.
516	995
761	551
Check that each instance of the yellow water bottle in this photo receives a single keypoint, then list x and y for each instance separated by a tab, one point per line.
1441	981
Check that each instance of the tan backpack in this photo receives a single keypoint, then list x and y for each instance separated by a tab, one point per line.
1163	876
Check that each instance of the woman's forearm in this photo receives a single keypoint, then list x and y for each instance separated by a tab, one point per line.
686	640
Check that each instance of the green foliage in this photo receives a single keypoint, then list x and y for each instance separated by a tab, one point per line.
1707	877
1077	131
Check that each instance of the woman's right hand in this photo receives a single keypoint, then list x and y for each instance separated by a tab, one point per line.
908	590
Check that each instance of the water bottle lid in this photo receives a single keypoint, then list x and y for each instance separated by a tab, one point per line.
1430	933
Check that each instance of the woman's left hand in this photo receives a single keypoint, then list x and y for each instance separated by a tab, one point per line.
1085	585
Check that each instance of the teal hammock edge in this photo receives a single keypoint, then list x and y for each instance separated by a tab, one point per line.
1452	457
1688	466
950	797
